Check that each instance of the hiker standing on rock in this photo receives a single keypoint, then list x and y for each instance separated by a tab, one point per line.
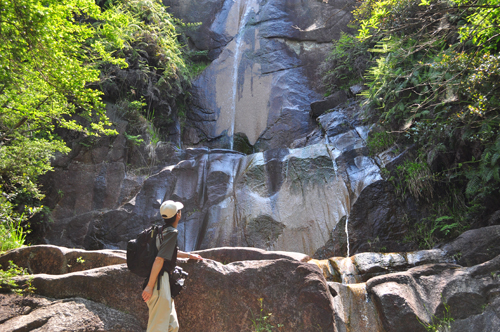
162	315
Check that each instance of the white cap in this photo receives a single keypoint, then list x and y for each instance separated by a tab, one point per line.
168	209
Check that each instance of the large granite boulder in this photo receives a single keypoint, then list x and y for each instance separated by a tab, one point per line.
416	297
232	295
475	246
377	222
114	286
227	255
229	297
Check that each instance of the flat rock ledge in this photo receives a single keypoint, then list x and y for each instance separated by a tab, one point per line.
51	259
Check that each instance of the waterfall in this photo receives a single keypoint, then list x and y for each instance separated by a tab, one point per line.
347	234
247	7
354	309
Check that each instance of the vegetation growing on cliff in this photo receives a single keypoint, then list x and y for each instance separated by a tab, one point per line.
433	73
59	61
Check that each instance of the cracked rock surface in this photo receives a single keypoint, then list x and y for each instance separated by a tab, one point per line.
36	313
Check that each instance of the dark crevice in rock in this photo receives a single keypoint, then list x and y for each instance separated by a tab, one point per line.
296	40
260	22
281	69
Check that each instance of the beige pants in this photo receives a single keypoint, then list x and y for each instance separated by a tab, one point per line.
162	315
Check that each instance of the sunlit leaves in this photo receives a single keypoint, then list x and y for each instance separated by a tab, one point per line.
483	23
44	75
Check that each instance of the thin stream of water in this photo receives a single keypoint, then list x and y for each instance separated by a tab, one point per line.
347	234
237	54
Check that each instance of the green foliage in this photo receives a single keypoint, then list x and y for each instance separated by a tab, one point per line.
483	23
196	68
262	323
440	324
134	140
12	234
8	283
428	232
134	25
415	178
346	64
379	141
58	59
45	77
484	178
43	74
159	68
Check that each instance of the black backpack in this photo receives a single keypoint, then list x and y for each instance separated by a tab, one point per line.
142	251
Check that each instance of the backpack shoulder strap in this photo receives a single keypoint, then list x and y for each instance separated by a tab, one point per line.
161	233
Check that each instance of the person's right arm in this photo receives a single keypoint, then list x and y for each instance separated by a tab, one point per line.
155	270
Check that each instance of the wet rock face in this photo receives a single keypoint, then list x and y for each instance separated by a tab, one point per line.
205	37
362	267
265	57
282	199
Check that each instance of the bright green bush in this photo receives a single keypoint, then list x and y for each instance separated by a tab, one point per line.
44	83
58	60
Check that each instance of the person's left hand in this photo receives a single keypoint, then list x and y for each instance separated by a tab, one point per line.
147	293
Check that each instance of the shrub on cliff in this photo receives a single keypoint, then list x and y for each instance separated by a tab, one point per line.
145	36
433	84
